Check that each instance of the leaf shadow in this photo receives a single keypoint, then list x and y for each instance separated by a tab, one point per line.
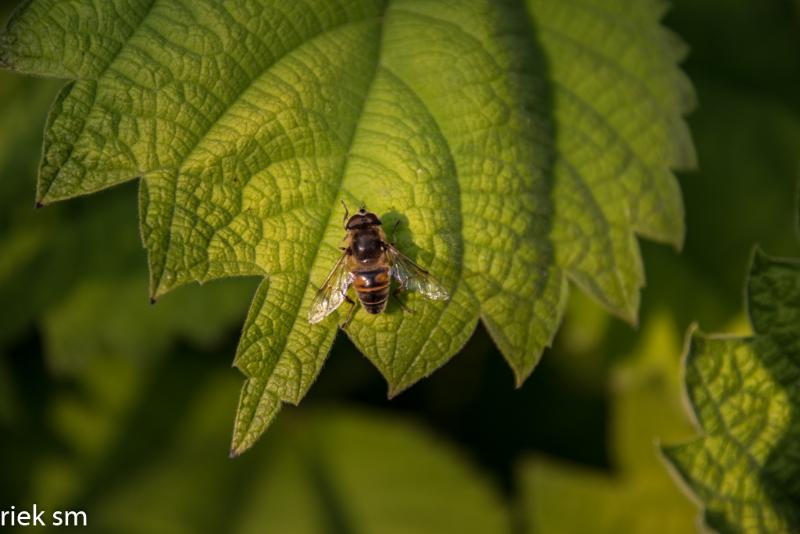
398	233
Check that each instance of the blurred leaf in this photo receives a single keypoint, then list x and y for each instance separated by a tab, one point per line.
745	395
23	104
425	487
327	471
80	274
102	316
581	349
85	423
245	154
639	497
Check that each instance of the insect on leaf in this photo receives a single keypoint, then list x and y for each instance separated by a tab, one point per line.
519	145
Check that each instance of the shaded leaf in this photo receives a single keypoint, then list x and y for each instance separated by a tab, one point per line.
745	395
617	105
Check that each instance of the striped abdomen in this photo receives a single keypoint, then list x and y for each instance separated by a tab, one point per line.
372	288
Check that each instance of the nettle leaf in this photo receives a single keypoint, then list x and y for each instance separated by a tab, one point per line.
518	145
745	395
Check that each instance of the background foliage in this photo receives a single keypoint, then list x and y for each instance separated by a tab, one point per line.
111	406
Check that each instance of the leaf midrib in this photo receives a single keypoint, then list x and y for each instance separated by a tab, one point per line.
295	316
156	290
460	260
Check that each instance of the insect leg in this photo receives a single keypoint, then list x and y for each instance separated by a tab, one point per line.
396	294
350	314
394	231
346	213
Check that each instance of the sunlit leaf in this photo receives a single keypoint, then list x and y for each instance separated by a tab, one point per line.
517	145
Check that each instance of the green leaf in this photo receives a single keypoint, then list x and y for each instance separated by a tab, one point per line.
639	496
745	395
517	145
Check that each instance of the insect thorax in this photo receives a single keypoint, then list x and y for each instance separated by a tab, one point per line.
366	244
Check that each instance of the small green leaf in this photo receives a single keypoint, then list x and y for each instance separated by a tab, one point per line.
517	145
745	395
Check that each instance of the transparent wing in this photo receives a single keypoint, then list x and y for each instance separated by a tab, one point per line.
412	277
332	293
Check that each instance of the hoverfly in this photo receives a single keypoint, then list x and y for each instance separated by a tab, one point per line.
368	263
